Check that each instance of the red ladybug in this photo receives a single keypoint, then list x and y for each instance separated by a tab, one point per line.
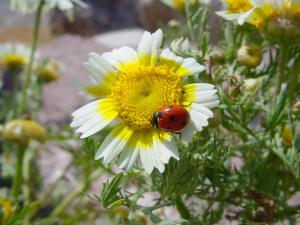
172	118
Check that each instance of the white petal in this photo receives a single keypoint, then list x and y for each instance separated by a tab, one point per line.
166	54
93	126
98	67
188	132
192	65
157	41
64	5
93	117
168	147
229	16
145	45
160	159
149	46
198	87
211	104
114	143
128	158
146	159
203	109
120	56
199	119
86	109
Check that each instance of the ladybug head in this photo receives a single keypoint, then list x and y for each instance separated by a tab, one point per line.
155	119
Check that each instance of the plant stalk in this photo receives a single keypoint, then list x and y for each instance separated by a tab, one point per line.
28	73
282	60
17	182
182	209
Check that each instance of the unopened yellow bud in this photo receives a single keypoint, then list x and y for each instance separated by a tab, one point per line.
22	131
250	55
6	210
174	23
251	85
218	55
49	72
14	61
296	109
284	29
287	136
180	4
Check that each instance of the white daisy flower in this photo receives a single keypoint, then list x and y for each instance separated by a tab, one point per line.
14	55
29	6
132	86
234	9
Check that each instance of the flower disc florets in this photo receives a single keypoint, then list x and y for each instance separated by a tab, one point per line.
141	90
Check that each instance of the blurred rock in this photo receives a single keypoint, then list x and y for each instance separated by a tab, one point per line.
116	39
152	13
82	22
100	16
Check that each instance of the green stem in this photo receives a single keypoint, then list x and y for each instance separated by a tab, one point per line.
182	209
189	22
74	194
17	182
293	81
28	73
283	51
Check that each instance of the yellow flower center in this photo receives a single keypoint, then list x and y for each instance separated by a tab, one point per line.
238	6
14	61
180	4
6	209
141	90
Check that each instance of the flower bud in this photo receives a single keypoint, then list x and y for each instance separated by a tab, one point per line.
180	44
49	72
14	56
287	136
218	55
250	55
282	29
6	210
251	85
22	131
296	109
179	4
174	23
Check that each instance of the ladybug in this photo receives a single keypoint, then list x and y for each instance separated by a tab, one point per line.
171	118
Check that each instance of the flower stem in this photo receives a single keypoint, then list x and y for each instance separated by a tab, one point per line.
27	76
182	209
17	182
283	51
75	193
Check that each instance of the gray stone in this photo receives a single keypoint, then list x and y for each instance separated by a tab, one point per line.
116	39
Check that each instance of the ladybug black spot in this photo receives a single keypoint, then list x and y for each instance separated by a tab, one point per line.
171	118
170	106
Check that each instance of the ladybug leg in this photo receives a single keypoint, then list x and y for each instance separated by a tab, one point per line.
186	104
179	133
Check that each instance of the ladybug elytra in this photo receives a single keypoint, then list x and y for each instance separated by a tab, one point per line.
171	118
